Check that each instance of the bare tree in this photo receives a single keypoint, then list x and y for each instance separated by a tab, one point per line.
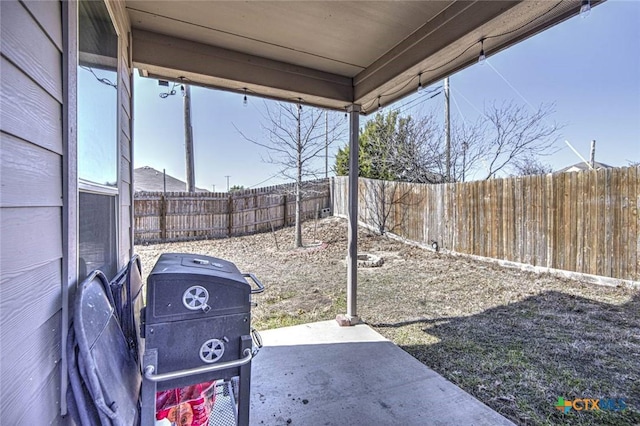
414	154
467	148
507	138
531	166
294	138
387	204
411	149
513	134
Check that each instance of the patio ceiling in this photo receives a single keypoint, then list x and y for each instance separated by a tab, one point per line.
326	53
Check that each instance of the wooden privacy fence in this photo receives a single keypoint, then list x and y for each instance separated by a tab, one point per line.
179	216
585	222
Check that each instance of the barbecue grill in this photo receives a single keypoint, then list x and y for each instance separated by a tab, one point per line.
197	326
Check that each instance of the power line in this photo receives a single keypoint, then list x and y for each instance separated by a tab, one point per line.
386	94
422	100
266	180
469	102
102	80
169	92
419	98
423	95
511	86
459	110
533	109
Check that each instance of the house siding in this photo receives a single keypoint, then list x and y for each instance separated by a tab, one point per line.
31	248
38	196
125	166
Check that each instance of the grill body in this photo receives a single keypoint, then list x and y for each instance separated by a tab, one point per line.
198	307
198	313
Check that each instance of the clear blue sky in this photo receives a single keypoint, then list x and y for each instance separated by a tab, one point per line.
589	67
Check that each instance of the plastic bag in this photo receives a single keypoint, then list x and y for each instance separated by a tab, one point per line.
187	406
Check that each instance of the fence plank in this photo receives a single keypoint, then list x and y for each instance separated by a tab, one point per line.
633	267
579	195
581	221
584	221
569	225
174	216
558	226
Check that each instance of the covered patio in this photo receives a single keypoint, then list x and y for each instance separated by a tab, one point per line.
324	374
354	57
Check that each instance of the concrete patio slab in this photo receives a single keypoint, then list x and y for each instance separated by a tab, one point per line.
323	374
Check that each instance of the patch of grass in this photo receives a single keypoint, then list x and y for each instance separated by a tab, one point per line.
513	339
519	365
339	304
279	320
279	296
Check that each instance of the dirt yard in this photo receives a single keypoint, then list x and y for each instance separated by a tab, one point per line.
515	340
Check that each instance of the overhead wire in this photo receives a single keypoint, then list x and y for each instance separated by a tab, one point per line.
266	180
468	101
455	102
424	94
102	80
529	104
422	100
169	92
387	94
511	86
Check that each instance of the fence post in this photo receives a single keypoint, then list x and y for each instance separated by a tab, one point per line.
230	212
285	216
255	213
163	218
330	185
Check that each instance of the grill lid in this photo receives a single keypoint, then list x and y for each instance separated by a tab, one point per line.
187	286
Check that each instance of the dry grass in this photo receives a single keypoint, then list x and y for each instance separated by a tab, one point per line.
515	340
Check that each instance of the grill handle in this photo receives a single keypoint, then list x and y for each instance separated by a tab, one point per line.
150	369
255	279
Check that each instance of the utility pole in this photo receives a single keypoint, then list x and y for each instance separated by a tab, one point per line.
214	187
592	158
326	144
188	129
447	129
188	138
227	182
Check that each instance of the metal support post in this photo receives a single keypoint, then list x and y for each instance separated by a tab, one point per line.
351	317
447	129
244	393
148	391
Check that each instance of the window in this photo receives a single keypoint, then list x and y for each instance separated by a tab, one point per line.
97	233
97	140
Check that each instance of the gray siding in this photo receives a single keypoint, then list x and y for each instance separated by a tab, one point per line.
35	177
125	171
31	248
125	167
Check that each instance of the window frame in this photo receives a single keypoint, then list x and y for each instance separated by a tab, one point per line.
87	186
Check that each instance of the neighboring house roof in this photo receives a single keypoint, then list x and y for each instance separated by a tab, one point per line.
149	179
582	166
